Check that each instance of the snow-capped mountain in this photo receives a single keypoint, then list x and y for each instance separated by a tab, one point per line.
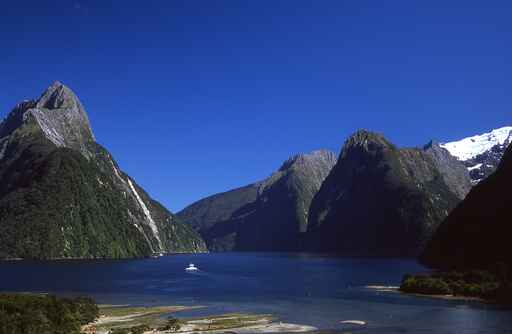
482	153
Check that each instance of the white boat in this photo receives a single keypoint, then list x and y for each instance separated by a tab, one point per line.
191	267
354	322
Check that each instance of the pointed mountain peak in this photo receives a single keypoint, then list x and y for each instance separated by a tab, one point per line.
58	96
59	114
62	118
301	159
367	140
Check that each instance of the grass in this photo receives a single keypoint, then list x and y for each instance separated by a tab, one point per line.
154	317
228	321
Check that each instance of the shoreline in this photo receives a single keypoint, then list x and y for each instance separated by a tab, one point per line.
62	259
396	289
156	318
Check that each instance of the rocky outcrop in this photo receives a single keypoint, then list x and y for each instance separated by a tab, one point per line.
63	195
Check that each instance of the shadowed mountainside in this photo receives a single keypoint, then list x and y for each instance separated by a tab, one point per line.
265	216
380	200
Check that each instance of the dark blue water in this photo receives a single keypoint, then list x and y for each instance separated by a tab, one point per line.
307	289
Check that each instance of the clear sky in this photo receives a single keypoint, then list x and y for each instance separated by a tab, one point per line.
196	97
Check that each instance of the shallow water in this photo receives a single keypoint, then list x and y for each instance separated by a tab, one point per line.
302	288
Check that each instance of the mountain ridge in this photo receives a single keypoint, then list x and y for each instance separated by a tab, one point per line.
381	200
57	181
241	219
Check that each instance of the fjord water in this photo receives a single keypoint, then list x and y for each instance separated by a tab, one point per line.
301	288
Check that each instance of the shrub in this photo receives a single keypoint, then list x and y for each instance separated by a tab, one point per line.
425	285
140	329
36	314
172	324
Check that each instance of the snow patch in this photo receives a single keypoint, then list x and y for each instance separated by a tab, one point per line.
477	166
145	209
470	147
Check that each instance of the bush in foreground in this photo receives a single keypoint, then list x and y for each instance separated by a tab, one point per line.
41	314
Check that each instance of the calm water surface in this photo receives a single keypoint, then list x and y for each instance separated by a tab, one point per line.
301	288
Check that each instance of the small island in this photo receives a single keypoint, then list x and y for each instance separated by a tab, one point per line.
478	285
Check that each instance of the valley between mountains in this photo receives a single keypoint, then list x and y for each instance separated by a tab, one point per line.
62	195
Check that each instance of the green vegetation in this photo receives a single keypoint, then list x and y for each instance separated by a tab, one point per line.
172	325
42	314
489	285
55	203
139	329
69	199
229	321
136	320
59	208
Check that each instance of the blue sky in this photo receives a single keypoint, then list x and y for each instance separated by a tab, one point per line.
197	97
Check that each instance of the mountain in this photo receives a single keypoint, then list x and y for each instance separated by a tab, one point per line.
476	234
380	200
265	216
482	153
62	195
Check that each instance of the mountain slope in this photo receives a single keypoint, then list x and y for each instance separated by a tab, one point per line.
63	195
266	216
204	213
383	201
481	154
477	232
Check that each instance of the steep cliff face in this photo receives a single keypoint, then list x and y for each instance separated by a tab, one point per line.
266	216
477	232
58	114
63	195
383	201
454	173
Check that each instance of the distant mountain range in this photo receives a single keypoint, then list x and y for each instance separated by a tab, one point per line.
377	199
269	215
62	195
